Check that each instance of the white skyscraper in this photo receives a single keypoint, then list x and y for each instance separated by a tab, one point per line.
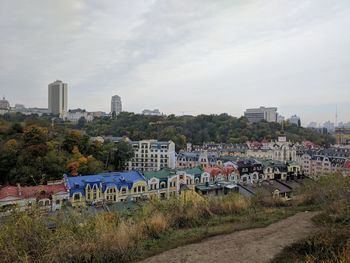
116	104
58	98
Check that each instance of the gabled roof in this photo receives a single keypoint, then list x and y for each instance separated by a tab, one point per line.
114	178
347	164
23	192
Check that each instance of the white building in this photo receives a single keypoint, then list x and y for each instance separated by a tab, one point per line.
58	98
280	150
262	113
154	112
152	155
116	104
280	119
4	106
75	115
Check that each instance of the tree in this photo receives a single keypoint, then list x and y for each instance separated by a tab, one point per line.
81	123
75	138
80	164
122	154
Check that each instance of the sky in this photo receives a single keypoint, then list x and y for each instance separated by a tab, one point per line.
180	56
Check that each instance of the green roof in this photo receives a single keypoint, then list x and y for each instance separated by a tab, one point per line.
159	174
164	173
192	171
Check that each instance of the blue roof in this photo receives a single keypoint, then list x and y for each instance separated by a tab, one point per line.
118	179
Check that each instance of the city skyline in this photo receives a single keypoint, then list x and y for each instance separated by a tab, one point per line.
194	57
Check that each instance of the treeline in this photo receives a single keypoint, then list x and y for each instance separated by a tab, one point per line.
198	129
34	149
33	152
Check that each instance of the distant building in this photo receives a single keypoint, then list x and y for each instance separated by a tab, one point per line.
295	120
98	114
280	150
201	159
329	126
50	197
342	136
116	104
39	111
262	113
312	125
152	155
76	114
154	112
4	106
280	118
58	98
19	107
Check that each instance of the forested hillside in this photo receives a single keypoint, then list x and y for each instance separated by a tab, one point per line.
198	129
32	150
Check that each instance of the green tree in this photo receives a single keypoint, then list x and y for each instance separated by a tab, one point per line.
122	154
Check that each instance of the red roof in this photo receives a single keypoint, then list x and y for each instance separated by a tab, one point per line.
347	164
214	171
7	191
39	191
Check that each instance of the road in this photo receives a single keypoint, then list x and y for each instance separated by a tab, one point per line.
253	245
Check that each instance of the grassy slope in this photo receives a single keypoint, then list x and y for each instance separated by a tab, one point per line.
254	218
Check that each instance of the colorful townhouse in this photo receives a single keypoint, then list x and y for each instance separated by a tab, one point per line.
166	183
49	197
106	187
203	159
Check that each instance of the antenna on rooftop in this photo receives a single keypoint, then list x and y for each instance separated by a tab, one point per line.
336	115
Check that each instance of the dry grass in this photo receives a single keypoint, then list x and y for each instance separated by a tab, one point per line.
229	204
155	225
330	193
107	237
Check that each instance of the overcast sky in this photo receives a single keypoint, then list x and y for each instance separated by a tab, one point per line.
181	56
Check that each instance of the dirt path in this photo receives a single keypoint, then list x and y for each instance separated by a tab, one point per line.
254	245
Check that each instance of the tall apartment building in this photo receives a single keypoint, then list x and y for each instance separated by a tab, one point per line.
116	104
58	98
262	113
152	155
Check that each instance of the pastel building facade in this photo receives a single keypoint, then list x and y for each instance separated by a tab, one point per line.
106	187
167	183
316	165
152	155
280	150
50	197
201	159
76	114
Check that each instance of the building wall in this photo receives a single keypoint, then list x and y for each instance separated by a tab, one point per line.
116	104
58	98
152	155
262	113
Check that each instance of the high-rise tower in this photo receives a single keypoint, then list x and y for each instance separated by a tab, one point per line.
116	104
58	98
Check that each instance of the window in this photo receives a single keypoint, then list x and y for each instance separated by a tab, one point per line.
58	202
123	190
76	197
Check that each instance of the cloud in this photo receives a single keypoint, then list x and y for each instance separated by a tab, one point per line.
198	56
